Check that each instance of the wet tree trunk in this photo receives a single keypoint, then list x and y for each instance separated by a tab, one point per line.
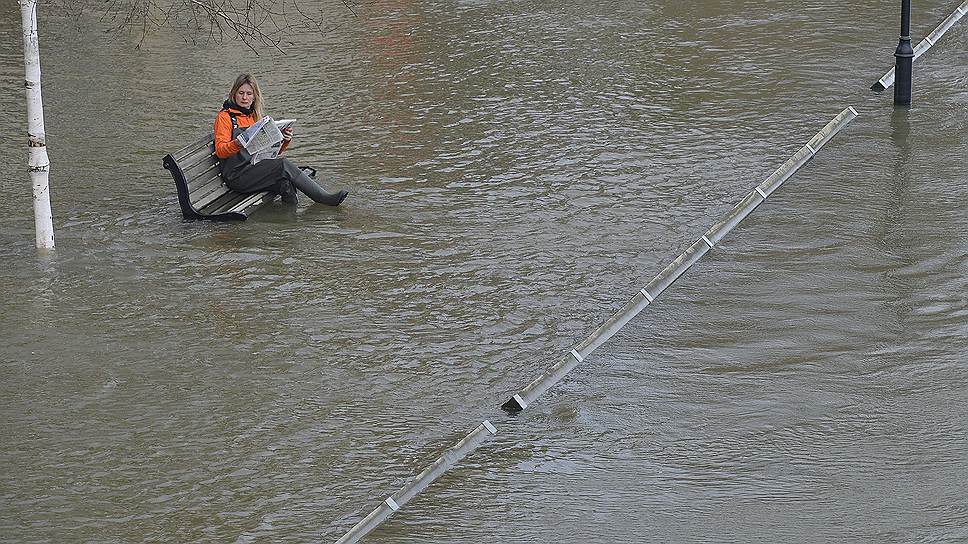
38	164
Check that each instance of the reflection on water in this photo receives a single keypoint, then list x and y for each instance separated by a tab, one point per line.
517	171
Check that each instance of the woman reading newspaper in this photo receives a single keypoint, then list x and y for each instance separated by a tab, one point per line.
279	175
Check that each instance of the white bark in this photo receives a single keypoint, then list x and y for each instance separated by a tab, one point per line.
38	164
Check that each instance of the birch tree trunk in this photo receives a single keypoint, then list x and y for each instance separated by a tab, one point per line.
38	164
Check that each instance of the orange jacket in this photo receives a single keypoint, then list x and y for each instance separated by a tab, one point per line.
225	144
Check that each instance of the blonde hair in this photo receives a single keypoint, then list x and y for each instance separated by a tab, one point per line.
256	93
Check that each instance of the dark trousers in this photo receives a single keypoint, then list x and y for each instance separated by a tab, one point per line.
277	175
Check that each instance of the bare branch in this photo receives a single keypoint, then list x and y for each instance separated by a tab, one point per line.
259	24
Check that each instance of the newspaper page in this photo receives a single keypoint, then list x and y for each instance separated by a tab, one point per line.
264	139
283	124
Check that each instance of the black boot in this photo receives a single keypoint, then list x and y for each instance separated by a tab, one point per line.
287	192
308	185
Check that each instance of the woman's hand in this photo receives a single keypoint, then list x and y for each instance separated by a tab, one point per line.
287	133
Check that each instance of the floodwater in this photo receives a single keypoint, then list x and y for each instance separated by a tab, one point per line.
517	171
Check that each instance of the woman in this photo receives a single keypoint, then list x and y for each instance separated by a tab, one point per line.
279	175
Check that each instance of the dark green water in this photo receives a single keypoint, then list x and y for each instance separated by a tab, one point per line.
517	171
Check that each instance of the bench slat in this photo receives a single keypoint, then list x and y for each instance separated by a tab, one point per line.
221	203
228	202
245	203
202	170
209	197
201	143
200	156
202	186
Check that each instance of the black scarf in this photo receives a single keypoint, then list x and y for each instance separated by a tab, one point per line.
228	104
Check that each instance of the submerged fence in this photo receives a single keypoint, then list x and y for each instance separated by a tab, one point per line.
925	44
521	400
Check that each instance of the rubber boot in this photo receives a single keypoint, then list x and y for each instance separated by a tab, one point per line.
287	192
309	186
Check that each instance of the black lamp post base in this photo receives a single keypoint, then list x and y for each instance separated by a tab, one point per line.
904	55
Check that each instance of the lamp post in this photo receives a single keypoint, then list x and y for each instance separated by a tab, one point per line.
904	59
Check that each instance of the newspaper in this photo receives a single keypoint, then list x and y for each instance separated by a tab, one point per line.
264	139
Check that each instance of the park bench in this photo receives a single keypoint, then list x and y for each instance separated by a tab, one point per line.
202	194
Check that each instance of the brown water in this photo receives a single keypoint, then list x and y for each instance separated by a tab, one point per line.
517	171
